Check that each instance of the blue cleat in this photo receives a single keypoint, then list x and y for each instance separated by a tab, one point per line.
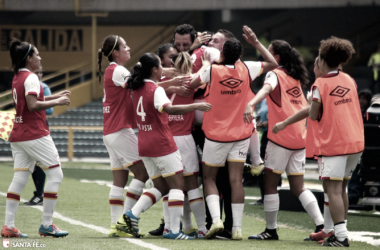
53	231
179	236
132	223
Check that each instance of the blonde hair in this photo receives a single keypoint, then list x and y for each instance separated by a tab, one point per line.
183	63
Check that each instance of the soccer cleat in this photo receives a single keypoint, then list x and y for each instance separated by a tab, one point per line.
201	235
53	231
236	235
159	231
333	241
178	236
224	235
321	235
214	230
268	234
114	233
36	200
132	224
165	234
257	170
12	233
192	232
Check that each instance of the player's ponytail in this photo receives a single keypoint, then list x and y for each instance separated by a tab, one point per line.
182	62
143	70
110	44
19	51
291	60
232	50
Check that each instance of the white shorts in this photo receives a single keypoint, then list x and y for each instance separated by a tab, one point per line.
279	160
122	148
164	166
215	153
41	151
337	167
189	155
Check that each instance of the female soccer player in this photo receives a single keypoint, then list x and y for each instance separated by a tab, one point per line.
336	107
286	150
119	138
157	147
227	137
30	140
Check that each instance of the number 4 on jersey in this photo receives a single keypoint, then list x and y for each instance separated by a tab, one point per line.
141	108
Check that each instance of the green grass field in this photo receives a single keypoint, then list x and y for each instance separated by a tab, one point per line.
83	210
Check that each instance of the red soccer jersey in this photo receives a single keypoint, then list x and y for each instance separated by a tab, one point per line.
117	103
181	124
155	137
28	125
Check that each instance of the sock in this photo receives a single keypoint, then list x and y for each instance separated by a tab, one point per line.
214	207
237	215
198	207
147	199
329	224
39	177
271	207
54	179
345	221
310	204
116	198
165	205
254	149
340	230
175	204
186	218
20	178
134	192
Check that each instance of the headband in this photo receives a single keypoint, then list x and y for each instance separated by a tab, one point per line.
30	46
113	46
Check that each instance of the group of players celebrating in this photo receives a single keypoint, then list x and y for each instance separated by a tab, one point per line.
197	92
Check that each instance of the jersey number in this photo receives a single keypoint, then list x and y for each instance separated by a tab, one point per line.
141	108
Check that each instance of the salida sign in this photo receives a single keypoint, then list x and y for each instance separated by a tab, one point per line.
49	39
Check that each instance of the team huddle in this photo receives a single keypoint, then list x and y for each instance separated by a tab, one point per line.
194	93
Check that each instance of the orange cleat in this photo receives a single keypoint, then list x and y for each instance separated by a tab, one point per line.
320	235
12	233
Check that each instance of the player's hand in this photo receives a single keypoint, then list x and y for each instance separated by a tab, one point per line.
64	93
201	39
181	81
206	61
248	114
250	36
184	91
171	72
309	97
204	106
63	100
278	127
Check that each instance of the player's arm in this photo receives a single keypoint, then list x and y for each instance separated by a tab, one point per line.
269	61
263	93
314	110
202	76
183	109
35	105
299	116
176	81
58	95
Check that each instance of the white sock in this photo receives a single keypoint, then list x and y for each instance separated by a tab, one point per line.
165	205
214	207
186	218
328	222
310	204
198	207
176	198
54	178
271	207
345	221
134	192
254	149
20	178
237	215
340	231
147	199
116	198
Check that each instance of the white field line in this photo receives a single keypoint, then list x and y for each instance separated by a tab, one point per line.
93	227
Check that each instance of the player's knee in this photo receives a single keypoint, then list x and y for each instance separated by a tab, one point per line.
54	175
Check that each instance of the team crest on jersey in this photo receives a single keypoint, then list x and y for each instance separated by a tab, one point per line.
295	92
231	82
339	91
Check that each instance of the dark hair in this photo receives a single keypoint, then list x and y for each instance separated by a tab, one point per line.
367	94
336	51
232	51
184	29
162	49
143	70
19	52
227	34
291	60
108	47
